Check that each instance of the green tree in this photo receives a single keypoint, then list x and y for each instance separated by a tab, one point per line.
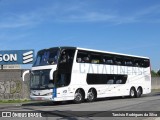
158	73
153	73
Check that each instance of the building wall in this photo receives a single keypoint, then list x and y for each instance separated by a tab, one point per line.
12	86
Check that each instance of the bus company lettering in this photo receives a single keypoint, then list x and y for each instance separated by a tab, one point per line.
111	69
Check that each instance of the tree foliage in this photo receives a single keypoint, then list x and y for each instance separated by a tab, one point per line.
158	73
155	74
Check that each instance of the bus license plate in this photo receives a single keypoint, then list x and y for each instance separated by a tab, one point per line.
39	98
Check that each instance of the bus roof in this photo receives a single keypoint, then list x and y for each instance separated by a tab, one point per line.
100	51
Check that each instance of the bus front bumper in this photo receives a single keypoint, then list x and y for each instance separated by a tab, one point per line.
42	98
50	98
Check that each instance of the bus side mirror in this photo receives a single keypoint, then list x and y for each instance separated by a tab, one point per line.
24	73
51	74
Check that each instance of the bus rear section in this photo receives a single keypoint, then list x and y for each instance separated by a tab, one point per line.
98	75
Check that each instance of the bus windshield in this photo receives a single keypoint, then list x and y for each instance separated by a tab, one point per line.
47	57
40	80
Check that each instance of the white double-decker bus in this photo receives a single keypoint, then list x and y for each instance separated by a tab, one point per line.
72	73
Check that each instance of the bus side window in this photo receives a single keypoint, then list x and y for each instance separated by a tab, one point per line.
128	62
119	61
95	59
67	56
108	60
83	57
137	63
121	79
79	60
141	63
110	79
63	79
145	63
64	57
124	79
86	59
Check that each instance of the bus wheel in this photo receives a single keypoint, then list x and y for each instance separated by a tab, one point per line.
132	92
139	92
91	96
78	98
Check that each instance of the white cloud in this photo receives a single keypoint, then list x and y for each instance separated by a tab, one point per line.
77	12
140	47
10	37
88	17
155	9
15	21
80	13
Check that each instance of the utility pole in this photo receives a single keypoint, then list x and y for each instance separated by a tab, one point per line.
1	67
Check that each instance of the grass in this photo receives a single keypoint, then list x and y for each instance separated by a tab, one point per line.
155	90
15	101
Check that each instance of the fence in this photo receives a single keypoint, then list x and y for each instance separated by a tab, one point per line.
12	86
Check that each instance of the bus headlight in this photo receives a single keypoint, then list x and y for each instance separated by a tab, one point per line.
48	94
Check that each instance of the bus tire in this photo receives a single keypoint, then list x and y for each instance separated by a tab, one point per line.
132	92
139	92
79	96
91	96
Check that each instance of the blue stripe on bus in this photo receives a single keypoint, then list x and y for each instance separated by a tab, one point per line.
54	92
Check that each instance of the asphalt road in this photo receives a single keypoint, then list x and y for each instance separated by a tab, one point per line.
96	109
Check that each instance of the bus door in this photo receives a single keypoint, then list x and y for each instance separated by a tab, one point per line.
64	71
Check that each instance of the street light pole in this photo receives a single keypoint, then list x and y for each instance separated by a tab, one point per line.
1	67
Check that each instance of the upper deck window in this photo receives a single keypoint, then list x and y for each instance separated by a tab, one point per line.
47	57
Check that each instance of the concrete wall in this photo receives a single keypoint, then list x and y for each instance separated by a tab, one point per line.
155	82
12	86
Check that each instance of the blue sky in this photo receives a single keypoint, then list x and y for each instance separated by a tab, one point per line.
125	26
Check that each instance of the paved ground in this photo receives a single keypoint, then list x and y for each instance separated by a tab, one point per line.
62	110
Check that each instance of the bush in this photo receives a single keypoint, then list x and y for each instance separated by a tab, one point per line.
154	74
